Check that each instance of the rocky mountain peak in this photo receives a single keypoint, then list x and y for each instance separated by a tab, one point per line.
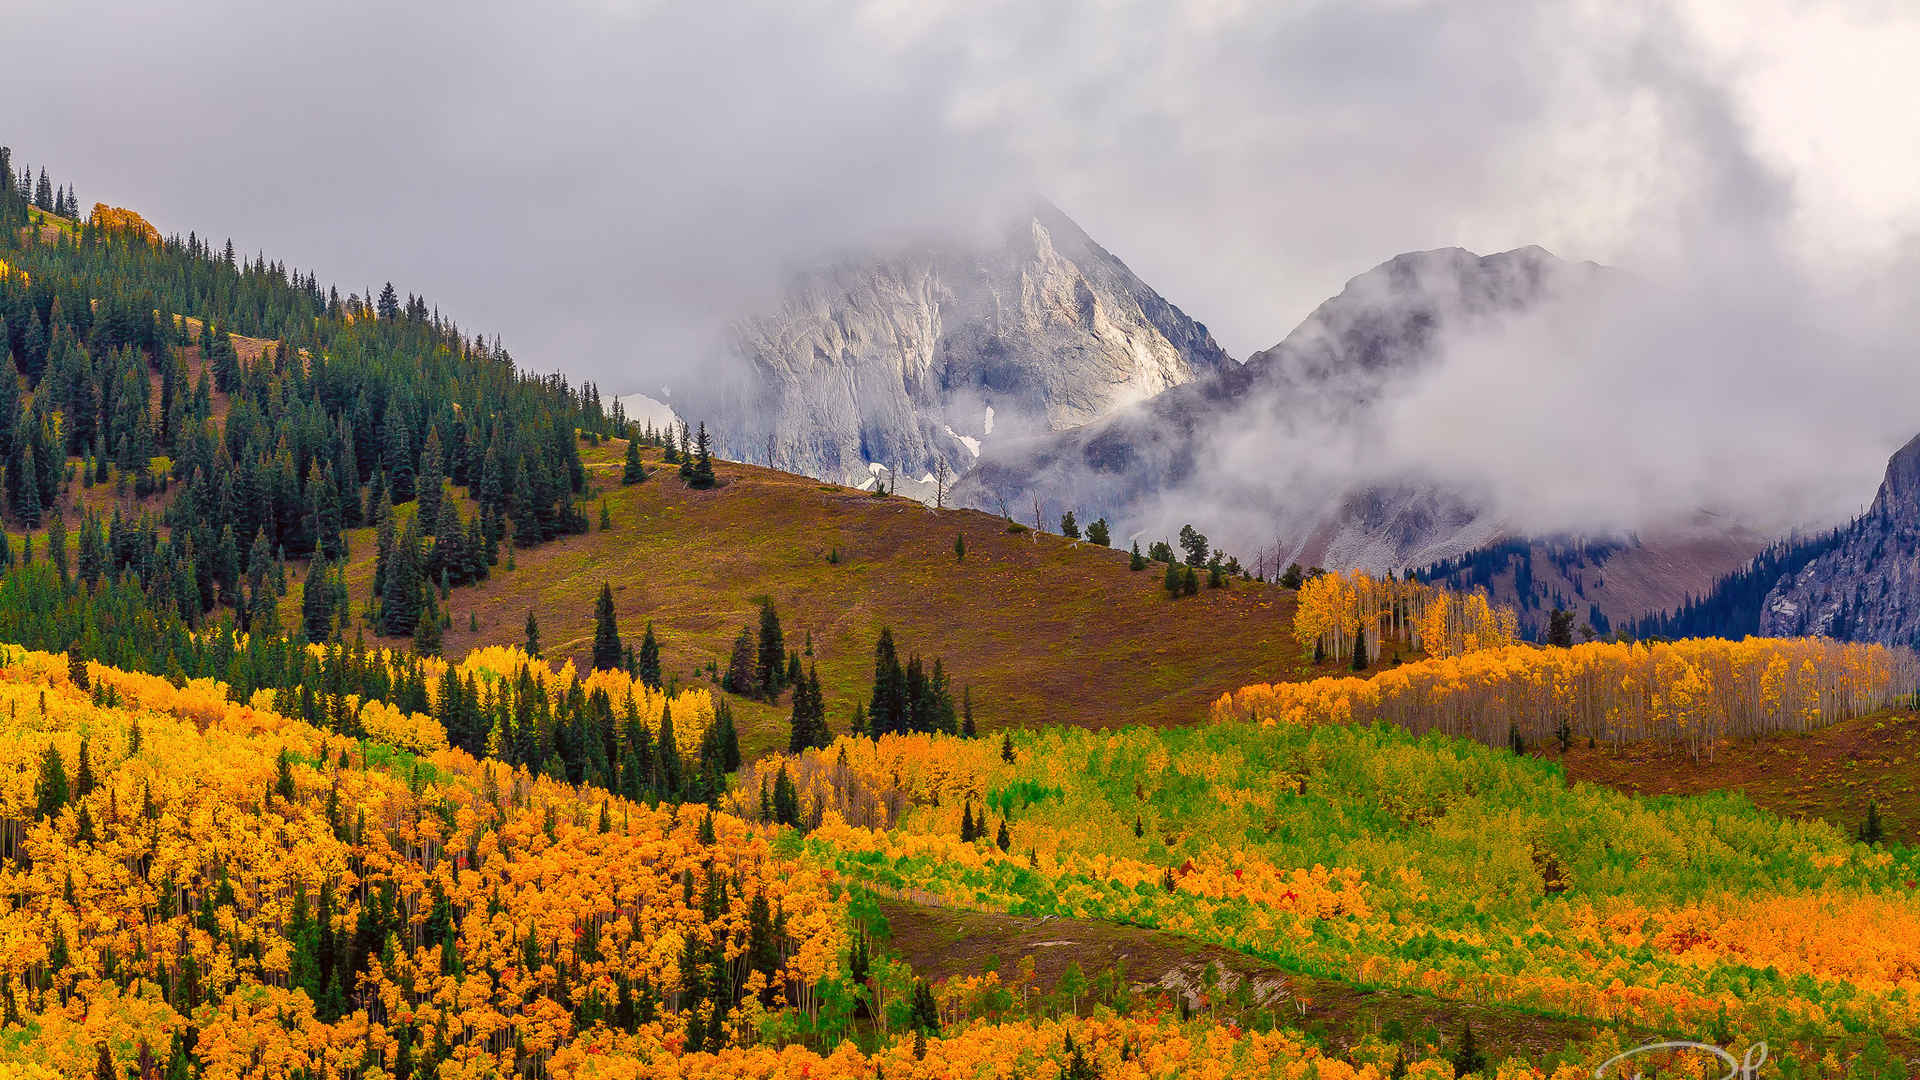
920	356
1867	588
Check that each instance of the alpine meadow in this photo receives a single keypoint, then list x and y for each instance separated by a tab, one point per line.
763	593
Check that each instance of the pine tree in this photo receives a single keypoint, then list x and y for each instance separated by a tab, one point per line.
770	666
959	548
650	659
1137	561
50	790
635	470
1069	528
702	475
786	800
1872	831
1467	1057
1359	648
606	632
533	635
740	677
316	600
1097	533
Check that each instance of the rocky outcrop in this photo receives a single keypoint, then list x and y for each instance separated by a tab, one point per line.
928	356
1867	587
1268	450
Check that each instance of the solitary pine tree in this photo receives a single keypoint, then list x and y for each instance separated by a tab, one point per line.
1560	629
1467	1057
1359	648
606	632
1097	533
702	475
1137	561
650	659
533	635
740	673
1069	528
634	471
1872	832
770	669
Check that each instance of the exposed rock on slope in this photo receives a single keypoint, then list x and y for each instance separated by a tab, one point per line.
1867	588
928	355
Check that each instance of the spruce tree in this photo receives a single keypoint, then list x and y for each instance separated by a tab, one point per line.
650	659
533	635
316	601
634	470
50	790
740	678
1097	533
1359	648
606	632
702	475
770	667
1872	831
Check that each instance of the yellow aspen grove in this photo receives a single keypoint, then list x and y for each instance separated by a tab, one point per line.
1693	692
1418	617
117	219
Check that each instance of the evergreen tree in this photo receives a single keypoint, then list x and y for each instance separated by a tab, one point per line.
1137	561
1872	831
50	790
1359	648
740	678
1467	1056
1069	528
533	635
702	475
634	470
650	659
1097	533
770	666
606	633
317	601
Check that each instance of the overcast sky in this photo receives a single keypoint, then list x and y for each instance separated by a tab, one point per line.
600	182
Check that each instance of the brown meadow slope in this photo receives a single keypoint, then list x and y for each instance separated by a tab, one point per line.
1043	629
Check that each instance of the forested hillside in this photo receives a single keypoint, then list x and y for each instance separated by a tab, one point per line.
189	429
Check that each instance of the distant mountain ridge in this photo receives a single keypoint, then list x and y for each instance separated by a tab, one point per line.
1605	583
1865	584
920	357
1858	582
1322	382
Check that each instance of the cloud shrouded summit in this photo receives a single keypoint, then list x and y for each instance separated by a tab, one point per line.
609	184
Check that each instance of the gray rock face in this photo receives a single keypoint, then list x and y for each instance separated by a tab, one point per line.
1868	587
1267	450
922	357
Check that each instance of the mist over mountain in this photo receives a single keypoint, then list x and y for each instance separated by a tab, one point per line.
930	353
1282	453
